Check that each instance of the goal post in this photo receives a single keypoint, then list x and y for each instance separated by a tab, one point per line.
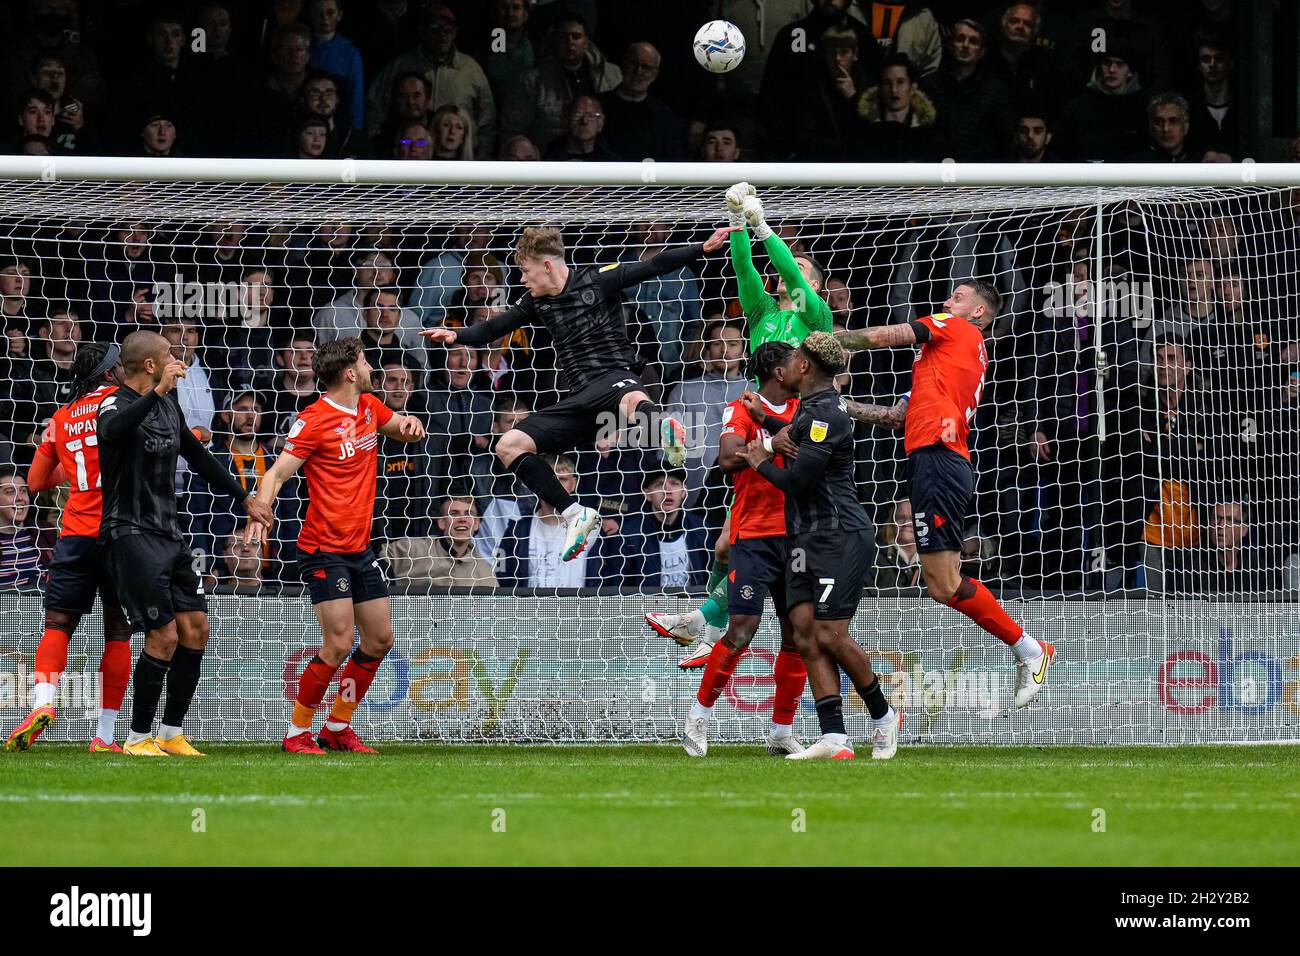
1137	445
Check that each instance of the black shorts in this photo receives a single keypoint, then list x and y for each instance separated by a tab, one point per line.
332	577
575	420
828	568
941	486
757	569
77	573
154	579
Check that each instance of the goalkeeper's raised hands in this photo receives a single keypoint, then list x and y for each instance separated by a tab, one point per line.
753	211
736	197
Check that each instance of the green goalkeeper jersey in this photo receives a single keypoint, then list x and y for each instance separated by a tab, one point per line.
766	320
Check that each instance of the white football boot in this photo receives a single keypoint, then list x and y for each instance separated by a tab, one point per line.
884	741
1031	675
783	745
823	749
577	532
695	736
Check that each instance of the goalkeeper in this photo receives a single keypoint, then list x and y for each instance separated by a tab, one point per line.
796	310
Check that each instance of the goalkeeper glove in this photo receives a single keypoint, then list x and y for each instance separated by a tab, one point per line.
735	203
753	208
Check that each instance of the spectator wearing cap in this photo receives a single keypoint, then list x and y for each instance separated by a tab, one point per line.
322	100
1168	125
975	115
21	558
158	136
638	124
584	141
536	103
900	117
1215	115
503	67
1106	121
166	83
664	546
1133	24
333	53
455	77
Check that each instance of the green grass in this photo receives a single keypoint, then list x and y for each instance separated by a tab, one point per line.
649	805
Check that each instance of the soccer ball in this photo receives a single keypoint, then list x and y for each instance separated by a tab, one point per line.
719	46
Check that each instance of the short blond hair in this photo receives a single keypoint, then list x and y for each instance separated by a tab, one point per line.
540	243
825	352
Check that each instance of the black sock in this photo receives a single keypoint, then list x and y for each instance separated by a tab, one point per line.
830	714
541	480
182	681
874	698
146	688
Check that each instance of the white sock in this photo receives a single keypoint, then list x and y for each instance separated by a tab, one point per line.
571	512
43	695
167	733
695	622
699	711
107	727
779	730
295	730
336	725
882	722
134	738
1027	649
840	739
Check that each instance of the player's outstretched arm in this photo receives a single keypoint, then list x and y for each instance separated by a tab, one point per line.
624	275
816	313
405	428
879	337
497	327
886	416
269	485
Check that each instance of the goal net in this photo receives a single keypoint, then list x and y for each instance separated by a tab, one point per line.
1137	445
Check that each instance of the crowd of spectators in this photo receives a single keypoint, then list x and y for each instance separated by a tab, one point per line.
582	80
1140	423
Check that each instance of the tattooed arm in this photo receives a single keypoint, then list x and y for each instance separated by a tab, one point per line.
884	336
883	415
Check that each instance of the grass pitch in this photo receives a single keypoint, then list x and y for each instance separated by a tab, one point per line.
652	805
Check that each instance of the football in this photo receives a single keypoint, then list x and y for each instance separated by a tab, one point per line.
719	46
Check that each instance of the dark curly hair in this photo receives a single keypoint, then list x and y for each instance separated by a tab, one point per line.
766	358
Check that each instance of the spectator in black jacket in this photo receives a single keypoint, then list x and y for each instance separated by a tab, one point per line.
1168	123
638	124
1105	122
1032	142
900	118
1216	114
975	116
1030	71
827	128
405	468
584	142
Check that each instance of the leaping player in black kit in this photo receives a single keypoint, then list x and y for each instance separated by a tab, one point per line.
580	306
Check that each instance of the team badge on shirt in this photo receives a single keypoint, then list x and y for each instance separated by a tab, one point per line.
818	431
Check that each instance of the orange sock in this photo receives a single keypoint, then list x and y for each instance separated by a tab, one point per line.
51	656
722	664
315	680
115	671
356	680
978	603
791	676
